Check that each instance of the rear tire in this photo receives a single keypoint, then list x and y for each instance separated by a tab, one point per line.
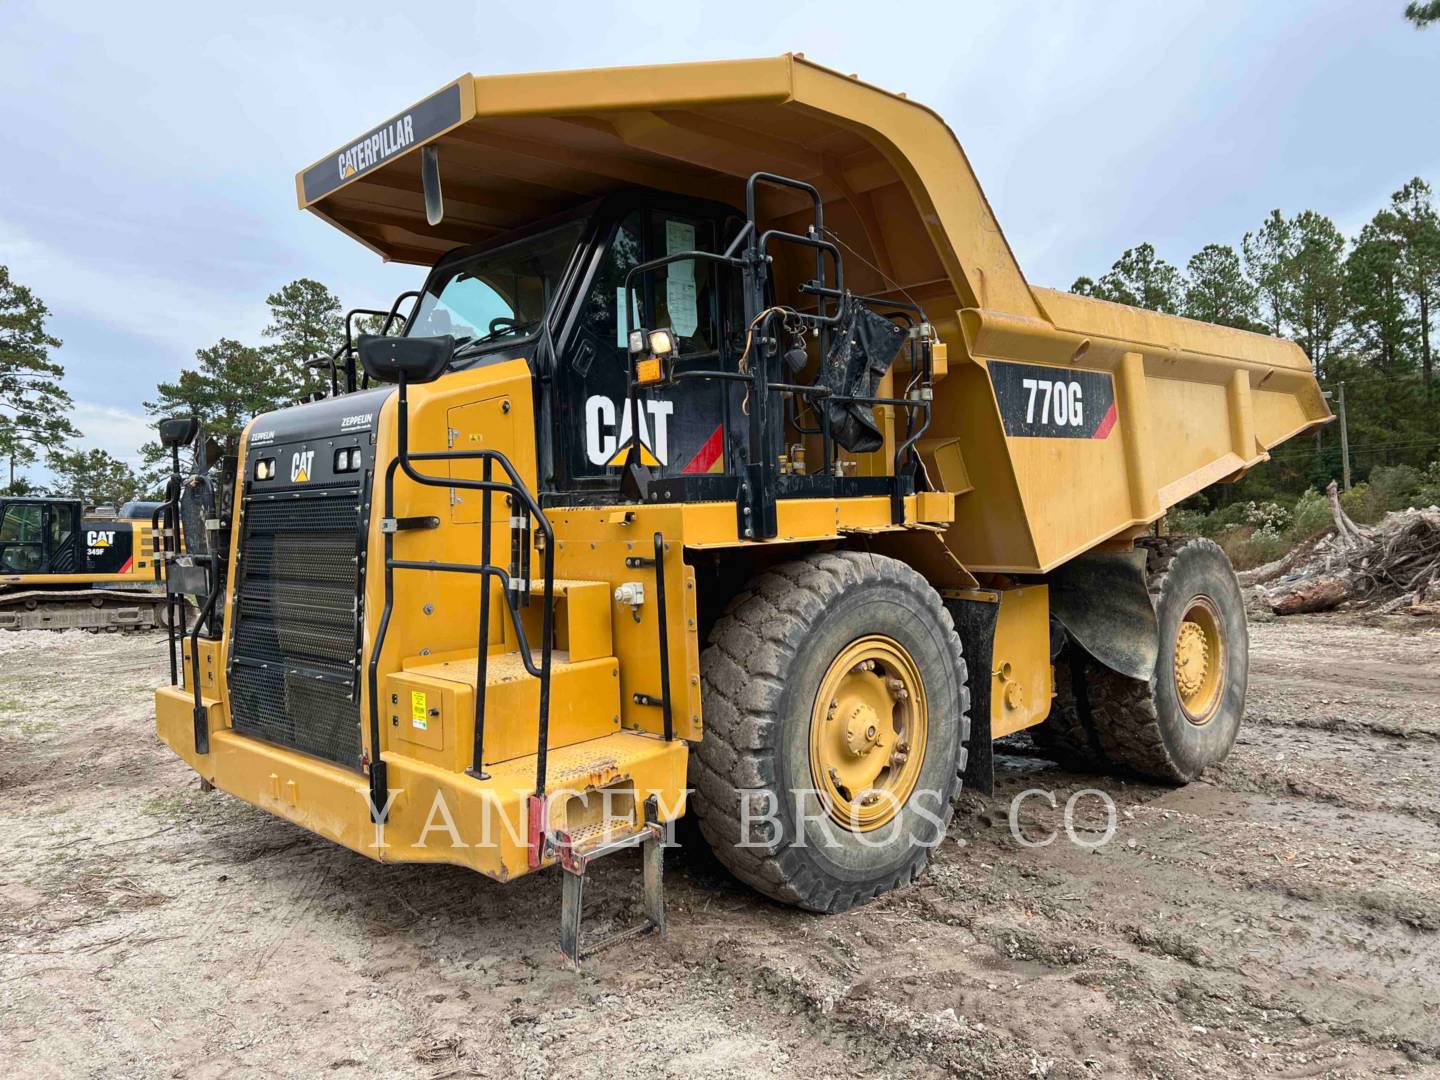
1186	716
793	632
1068	733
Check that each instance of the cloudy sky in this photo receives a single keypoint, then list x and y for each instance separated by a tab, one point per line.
149	150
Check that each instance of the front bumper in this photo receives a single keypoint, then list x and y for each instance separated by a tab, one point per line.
435	815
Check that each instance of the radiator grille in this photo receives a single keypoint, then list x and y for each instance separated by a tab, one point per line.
293	680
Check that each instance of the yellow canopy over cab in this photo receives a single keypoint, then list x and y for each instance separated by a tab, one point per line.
1195	403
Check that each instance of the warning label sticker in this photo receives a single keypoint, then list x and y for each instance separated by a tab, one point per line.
419	711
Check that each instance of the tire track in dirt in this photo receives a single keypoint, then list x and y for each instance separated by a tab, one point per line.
1276	919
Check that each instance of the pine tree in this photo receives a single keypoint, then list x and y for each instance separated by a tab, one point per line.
1218	290
33	405
1384	326
1266	252
232	383
1413	222
94	477
1139	278
306	324
1423	12
1316	305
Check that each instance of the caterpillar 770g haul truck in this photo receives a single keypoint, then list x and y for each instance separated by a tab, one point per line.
726	464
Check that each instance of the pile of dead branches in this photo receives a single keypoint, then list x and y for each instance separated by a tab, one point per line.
1390	567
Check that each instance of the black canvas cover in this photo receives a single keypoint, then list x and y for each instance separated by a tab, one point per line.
864	347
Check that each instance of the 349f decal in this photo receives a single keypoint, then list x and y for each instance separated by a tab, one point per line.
1053	403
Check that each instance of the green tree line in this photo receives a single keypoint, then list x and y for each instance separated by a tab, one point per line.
1366	310
230	382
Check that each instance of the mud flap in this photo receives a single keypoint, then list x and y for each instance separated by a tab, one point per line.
975	623
1102	600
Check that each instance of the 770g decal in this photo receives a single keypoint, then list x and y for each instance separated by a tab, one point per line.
1053	403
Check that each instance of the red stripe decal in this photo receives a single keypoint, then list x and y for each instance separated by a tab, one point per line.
1106	423
126	568
708	454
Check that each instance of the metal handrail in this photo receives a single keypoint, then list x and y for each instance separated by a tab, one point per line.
201	716
164	548
524	500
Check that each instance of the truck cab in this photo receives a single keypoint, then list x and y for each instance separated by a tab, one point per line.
555	295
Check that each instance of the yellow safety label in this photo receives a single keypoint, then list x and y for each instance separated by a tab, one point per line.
418	710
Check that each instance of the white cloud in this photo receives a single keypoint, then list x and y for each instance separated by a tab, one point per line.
129	295
119	432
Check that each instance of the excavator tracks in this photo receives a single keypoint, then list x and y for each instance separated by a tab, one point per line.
109	610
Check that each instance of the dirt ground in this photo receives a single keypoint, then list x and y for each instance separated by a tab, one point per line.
1279	918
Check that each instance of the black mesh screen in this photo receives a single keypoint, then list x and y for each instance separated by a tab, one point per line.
293	680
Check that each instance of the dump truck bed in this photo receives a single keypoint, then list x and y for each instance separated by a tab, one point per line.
1153	408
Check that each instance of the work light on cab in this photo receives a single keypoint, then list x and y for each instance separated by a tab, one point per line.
651	351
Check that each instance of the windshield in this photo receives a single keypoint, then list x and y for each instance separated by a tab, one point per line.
500	293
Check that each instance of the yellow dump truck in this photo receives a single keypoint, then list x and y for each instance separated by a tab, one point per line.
725	463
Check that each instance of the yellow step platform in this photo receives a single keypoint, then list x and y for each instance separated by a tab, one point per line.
429	707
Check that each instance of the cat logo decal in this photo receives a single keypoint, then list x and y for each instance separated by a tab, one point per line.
301	462
608	431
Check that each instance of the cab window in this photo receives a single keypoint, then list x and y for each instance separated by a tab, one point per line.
21	524
682	295
21	549
497	294
61	526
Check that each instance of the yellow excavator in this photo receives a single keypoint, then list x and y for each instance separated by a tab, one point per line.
63	568
727	464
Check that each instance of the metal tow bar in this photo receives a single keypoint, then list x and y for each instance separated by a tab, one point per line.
650	838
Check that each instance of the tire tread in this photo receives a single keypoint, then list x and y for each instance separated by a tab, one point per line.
742	670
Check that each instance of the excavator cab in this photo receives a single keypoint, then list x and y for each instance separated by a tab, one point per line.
40	536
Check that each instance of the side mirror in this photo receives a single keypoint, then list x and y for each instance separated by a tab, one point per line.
178	431
417	359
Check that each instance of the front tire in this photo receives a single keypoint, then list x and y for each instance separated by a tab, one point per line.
837	720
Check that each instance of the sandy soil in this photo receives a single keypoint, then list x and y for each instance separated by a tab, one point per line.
1279	918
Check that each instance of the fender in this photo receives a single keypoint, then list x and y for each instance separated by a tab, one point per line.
1103	601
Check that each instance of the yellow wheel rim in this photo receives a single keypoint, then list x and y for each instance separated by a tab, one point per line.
867	733
1200	661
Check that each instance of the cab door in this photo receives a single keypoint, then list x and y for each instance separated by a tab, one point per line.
62	538
681	429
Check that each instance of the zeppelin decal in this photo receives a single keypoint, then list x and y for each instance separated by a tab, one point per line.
1053	403
432	116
